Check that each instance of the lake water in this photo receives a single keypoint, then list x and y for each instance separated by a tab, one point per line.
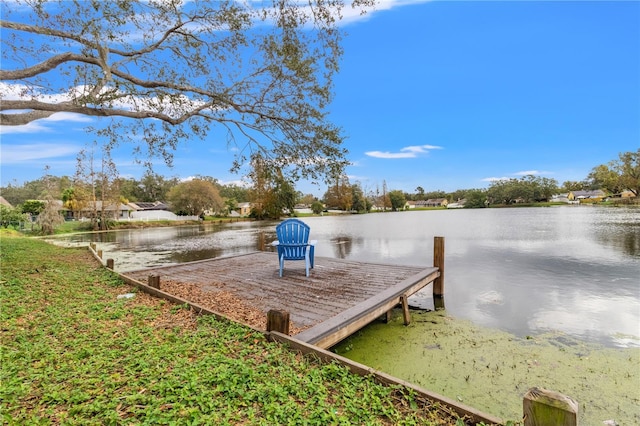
572	269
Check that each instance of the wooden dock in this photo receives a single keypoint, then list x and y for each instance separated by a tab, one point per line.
337	299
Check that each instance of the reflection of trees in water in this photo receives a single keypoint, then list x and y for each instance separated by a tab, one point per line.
193	255
625	237
631	243
342	246
264	239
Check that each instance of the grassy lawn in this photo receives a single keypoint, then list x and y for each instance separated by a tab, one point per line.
73	352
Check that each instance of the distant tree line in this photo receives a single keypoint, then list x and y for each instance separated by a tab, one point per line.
273	195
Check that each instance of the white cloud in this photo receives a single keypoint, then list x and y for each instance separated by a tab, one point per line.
406	152
237	182
33	127
522	173
495	179
350	14
31	152
533	172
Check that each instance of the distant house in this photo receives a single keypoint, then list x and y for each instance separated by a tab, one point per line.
244	209
597	194
560	198
432	202
410	205
457	205
114	211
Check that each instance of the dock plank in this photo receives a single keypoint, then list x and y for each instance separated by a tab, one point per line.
338	297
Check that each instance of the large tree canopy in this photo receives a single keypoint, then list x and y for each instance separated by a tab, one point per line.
165	70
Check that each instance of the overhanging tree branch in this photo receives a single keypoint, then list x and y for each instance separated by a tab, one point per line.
265	74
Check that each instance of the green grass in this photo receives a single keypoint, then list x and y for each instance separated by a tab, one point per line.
73	353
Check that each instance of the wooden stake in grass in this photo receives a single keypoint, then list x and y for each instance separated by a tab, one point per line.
278	321
544	407
154	281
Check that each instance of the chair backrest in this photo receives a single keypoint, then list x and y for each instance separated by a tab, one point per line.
293	236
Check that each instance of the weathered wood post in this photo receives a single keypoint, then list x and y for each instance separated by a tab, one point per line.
99	254
110	264
154	281
438	261
404	300
278	321
544	407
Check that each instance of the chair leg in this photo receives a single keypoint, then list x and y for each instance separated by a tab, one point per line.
306	263
311	255
281	265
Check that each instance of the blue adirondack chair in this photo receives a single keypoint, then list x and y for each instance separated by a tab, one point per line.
293	243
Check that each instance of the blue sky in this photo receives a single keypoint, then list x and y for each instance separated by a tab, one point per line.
444	95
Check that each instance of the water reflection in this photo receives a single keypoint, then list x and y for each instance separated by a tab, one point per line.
526	271
342	246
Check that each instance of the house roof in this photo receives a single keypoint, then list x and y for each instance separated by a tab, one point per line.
145	205
5	202
431	201
588	194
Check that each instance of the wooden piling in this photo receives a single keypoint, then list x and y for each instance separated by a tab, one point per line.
100	254
438	303
110	264
278	321
154	281
404	299
438	262
544	407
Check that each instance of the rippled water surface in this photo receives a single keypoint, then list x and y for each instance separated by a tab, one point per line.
527	271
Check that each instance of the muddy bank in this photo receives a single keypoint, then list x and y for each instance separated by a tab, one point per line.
492	370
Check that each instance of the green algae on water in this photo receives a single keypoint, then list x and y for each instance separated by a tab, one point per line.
492	370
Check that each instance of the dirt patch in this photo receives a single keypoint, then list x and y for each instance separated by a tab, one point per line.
222	302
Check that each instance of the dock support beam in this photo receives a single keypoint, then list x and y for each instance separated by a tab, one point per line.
438	262
404	299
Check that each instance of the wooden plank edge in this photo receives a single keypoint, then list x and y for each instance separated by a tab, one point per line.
324	355
95	255
335	334
337	328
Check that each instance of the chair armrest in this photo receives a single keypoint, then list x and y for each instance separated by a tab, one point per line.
275	243
313	242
